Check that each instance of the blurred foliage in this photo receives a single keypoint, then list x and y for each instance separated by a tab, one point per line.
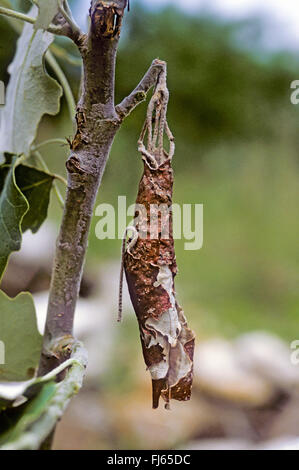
237	153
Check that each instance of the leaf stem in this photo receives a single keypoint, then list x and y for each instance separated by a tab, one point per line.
28	19
67	14
17	15
48	142
60	178
64	83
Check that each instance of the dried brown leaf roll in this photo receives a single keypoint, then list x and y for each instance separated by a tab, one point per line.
150	265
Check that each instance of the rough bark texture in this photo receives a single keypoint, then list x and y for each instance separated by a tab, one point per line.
97	123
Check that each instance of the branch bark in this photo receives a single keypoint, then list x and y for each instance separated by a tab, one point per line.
98	121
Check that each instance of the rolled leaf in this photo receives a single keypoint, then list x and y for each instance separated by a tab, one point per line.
150	267
150	263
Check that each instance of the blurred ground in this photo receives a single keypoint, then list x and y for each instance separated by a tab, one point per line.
245	393
237	153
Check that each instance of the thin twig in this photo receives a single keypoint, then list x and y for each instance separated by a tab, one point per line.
138	95
155	154
67	14
28	19
48	142
17	15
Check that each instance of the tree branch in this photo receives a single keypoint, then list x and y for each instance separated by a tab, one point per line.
138	95
97	124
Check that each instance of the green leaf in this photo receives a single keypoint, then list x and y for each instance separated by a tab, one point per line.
13	207
20	336
17	421
10	391
31	92
24	201
36	186
28	425
47	10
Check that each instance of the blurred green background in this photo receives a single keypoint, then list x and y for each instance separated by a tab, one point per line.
237	154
